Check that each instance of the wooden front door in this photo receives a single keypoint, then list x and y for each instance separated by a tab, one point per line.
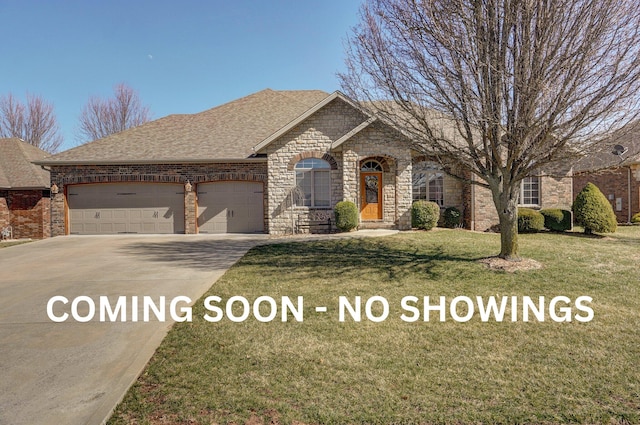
371	196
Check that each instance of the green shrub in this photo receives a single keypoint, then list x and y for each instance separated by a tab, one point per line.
557	220
529	221
424	214
346	216
593	211
452	217
635	218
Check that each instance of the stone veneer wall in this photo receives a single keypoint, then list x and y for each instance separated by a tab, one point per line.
613	182
374	142
311	138
63	175
4	209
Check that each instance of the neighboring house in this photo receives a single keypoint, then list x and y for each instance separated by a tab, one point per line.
616	172
24	190
274	161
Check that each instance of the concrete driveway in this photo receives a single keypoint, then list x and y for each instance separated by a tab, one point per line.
73	372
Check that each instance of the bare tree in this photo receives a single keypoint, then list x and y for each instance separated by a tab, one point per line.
498	89
102	117
34	122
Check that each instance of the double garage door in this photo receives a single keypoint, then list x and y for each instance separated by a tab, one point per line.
112	208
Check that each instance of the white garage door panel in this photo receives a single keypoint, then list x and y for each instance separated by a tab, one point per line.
230	207
109	208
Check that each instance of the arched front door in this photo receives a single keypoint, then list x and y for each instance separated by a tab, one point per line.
371	191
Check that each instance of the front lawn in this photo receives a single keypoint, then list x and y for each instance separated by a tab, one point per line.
323	371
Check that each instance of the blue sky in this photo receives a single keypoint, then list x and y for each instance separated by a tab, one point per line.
181	56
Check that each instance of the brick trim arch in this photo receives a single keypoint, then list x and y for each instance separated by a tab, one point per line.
312	154
381	159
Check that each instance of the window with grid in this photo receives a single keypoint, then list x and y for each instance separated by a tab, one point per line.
314	183
428	184
530	191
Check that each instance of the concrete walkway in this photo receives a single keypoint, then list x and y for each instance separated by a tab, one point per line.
74	372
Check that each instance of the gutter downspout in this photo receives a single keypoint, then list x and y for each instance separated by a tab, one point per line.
629	194
472	203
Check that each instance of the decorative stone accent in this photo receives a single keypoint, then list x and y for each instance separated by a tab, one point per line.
320	155
312	138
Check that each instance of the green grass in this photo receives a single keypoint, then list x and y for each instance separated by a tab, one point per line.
322	371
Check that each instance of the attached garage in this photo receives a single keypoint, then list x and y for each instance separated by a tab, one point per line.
230	207
112	208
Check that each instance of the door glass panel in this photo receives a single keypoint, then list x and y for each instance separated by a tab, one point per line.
371	183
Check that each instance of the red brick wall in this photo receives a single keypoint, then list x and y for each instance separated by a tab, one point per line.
28	214
613	182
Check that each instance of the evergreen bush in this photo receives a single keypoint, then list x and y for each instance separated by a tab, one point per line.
635	218
452	217
346	214
592	210
556	219
529	221
424	214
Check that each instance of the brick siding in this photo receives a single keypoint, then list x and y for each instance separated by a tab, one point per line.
556	191
613	183
64	175
27	212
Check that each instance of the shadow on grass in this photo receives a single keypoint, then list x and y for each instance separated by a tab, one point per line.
314	258
611	237
352	256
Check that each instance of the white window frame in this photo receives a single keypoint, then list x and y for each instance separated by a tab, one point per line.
427	170
312	167
525	186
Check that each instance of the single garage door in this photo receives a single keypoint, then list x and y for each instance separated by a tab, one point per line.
110	208
230	207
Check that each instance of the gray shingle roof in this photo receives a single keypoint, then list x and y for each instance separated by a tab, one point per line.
16	169
628	137
226	132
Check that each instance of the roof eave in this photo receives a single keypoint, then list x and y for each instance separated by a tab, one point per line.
353	132
151	161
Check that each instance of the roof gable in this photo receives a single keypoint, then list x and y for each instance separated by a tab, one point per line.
16	168
308	113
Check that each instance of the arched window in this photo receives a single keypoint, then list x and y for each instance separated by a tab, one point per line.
428	183
371	166
314	183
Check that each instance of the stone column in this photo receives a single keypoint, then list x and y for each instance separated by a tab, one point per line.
58	212
189	209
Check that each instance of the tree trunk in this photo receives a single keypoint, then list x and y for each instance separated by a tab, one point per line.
508	214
